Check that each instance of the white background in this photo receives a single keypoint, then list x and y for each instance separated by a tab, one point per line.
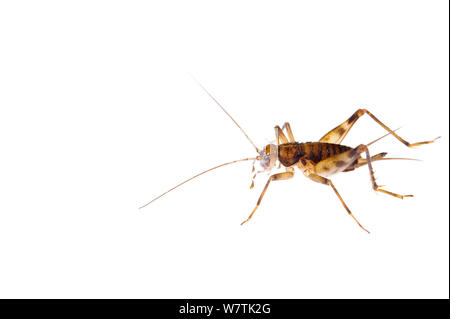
99	115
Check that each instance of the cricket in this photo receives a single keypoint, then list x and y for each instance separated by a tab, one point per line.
316	160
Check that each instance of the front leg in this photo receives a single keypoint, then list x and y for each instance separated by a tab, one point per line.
275	177
281	136
287	126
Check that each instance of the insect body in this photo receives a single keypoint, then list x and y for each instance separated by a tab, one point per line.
316	160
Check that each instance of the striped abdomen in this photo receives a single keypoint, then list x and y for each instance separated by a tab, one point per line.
290	153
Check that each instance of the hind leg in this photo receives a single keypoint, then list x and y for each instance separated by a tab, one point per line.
363	149
337	134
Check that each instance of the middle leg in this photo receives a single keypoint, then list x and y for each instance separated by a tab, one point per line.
326	181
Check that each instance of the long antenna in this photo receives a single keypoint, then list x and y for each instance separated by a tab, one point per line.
374	141
208	170
223	109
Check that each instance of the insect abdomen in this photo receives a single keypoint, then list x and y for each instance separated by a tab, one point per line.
290	153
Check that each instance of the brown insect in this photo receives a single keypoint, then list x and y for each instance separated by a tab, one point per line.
316	160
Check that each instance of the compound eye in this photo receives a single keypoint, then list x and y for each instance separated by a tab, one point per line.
265	161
